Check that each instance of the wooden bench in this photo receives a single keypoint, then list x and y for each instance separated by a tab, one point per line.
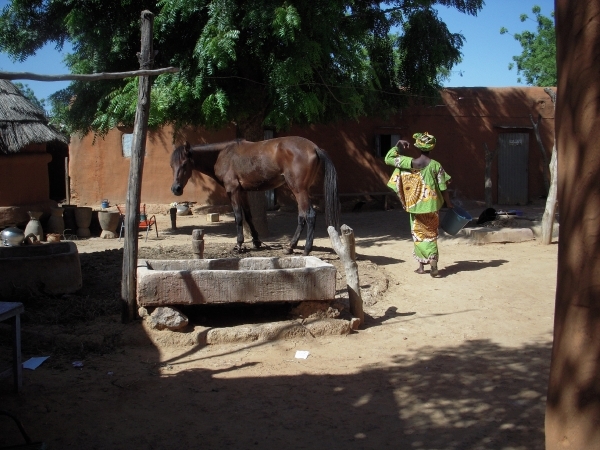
12	311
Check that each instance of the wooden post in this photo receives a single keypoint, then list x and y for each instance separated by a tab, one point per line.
67	182
345	249
136	167
198	243
173	213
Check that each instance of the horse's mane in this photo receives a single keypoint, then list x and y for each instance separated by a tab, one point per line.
178	154
217	146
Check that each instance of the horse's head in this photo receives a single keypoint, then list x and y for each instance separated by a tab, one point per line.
182	165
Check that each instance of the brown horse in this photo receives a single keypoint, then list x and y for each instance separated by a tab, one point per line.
241	166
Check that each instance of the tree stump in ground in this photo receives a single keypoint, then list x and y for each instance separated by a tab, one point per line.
345	248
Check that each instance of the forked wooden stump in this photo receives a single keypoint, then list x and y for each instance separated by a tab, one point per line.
344	246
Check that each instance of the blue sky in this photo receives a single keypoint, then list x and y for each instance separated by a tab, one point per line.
486	53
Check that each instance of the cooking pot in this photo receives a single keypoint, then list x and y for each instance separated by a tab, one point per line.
183	209
12	237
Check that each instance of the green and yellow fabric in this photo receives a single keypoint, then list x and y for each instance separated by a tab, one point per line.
420	191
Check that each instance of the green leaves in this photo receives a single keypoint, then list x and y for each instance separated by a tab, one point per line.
285	23
30	95
426	49
537	62
254	62
215	106
216	48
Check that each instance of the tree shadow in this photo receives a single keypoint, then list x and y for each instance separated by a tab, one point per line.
475	395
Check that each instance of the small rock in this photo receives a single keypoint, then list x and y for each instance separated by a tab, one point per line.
165	317
143	312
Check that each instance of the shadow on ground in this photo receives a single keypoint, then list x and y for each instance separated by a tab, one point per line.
469	266
477	395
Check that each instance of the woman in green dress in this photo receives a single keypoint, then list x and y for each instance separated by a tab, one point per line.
421	184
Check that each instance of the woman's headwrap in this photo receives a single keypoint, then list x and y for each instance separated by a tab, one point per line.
424	141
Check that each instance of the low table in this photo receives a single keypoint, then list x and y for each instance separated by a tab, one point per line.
13	311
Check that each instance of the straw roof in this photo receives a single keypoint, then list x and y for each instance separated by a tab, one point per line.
21	122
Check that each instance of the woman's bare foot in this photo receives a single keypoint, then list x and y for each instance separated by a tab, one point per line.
420	270
434	270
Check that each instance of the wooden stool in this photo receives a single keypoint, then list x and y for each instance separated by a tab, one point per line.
13	310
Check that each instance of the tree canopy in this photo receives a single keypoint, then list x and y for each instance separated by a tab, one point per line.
254	62
537	62
30	95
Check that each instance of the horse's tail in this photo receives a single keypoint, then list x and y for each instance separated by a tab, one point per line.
332	202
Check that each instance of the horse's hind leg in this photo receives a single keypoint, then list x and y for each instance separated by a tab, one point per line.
306	216
239	220
311	220
248	216
296	236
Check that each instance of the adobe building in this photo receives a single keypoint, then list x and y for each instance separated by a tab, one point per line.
464	121
31	159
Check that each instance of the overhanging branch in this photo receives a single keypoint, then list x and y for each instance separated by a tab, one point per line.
86	77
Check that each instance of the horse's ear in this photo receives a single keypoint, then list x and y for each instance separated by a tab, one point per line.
187	147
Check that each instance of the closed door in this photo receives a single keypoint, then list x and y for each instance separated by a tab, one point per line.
513	173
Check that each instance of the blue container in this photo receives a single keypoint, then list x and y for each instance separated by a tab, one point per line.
454	220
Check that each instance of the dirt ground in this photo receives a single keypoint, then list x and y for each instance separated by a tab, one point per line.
455	362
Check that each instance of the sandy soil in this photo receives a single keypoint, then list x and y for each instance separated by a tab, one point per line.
455	362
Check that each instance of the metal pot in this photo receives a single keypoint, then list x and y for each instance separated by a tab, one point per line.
12	237
183	209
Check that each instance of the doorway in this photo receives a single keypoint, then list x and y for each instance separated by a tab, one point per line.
513	170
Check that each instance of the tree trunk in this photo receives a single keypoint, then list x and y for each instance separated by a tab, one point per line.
573	398
550	211
489	159
536	129
252	130
136	168
345	249
551	200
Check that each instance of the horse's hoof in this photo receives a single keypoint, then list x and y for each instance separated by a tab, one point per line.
289	250
239	249
257	244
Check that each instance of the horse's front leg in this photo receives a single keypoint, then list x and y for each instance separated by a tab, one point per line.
238	213
248	216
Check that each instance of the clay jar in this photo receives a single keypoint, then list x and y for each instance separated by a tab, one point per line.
34	226
56	223
83	218
109	220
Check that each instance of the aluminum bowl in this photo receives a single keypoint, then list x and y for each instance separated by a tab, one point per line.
12	237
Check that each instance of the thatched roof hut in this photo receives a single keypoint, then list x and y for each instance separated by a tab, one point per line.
32	158
21	122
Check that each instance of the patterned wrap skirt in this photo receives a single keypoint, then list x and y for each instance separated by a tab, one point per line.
424	229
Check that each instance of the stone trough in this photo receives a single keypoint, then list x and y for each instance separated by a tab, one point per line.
39	269
234	280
